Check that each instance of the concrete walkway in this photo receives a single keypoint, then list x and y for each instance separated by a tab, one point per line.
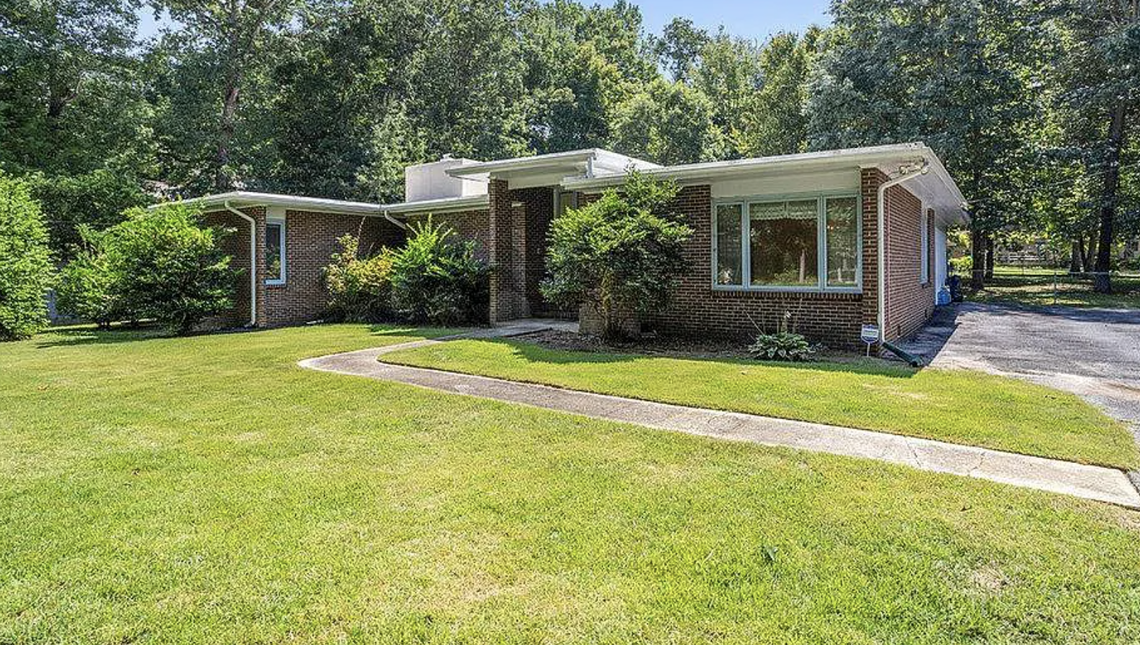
1091	482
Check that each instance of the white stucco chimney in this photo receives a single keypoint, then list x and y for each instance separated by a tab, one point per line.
431	181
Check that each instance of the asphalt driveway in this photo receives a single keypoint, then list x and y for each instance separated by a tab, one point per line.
1094	353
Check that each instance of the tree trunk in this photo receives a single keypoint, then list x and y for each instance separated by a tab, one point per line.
222	179
1076	256
1087	252
1101	279
989	258
978	250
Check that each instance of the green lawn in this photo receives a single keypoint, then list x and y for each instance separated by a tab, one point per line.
957	406
207	490
1037	287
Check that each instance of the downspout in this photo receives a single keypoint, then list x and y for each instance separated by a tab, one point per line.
882	244
400	225
252	261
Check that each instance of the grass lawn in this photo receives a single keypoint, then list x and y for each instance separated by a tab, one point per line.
207	490
1038	287
950	405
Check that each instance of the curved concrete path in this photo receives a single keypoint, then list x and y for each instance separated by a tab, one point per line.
1090	482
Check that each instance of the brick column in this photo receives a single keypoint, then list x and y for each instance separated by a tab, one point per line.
499	254
869	181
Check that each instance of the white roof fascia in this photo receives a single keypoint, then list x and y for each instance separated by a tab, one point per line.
442	205
607	158
949	197
293	202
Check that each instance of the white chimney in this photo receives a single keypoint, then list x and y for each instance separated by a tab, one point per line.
431	181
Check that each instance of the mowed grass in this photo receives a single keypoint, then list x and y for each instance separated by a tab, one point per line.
1037	287
207	490
948	405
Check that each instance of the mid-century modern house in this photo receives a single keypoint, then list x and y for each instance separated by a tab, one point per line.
794	233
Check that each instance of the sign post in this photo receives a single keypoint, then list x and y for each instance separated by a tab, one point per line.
869	335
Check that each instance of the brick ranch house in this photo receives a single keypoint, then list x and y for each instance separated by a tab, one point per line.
793	233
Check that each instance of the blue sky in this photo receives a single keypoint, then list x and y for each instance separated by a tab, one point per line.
756	19
749	18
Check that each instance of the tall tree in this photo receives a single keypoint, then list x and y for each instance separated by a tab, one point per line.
668	123
1102	86
730	75
679	47
233	37
951	73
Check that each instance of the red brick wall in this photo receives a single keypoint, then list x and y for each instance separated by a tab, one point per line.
697	309
236	245
310	240
910	302
471	225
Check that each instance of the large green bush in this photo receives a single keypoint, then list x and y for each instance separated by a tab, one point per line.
26	270
437	279
162	264
89	286
360	289
620	255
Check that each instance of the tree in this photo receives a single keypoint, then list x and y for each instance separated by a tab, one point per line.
668	123
620	255
1102	85
954	74
730	75
680	48
26	270
775	120
234	37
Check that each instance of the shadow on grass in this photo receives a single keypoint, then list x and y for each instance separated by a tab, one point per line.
536	354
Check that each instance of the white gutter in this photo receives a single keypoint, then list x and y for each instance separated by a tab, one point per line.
252	261
401	225
882	242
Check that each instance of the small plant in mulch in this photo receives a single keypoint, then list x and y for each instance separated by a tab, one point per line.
784	345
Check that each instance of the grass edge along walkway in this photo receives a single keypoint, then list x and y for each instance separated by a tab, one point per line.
1080	480
956	406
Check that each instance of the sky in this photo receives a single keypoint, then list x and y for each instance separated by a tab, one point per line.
755	19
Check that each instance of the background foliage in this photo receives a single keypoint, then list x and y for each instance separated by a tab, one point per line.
1033	104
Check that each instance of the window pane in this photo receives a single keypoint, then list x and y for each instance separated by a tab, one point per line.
842	242
728	260
783	243
273	251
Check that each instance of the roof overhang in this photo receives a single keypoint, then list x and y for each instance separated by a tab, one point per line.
550	169
442	205
241	198
937	189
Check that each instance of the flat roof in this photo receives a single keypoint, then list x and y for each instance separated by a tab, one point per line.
606	160
937	188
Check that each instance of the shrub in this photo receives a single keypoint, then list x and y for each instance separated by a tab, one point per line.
782	346
437	279
161	264
26	270
359	289
88	289
617	255
963	266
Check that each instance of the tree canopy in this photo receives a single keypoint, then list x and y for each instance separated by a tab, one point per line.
1032	104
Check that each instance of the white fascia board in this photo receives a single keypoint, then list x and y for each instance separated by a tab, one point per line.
714	169
945	192
524	163
292	202
443	205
